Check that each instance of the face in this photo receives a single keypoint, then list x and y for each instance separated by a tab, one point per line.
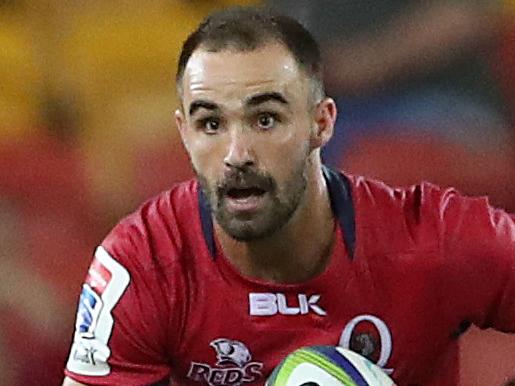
250	125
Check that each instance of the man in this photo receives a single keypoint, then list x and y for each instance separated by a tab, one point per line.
218	279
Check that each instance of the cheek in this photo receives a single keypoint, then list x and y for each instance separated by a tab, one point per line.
283	156
287	144
205	154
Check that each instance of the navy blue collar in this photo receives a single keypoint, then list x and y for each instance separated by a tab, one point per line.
341	204
340	194
206	221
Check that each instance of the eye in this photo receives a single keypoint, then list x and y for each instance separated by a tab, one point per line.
267	121
209	125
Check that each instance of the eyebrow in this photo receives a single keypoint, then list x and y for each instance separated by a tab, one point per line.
202	104
258	99
252	101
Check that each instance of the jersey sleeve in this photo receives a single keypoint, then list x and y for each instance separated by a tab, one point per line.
478	244
122	318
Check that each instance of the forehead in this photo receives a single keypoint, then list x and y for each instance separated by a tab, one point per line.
233	75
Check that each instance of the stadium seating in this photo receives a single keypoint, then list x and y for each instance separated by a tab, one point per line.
20	77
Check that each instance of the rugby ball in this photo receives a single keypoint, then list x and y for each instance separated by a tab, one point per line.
327	366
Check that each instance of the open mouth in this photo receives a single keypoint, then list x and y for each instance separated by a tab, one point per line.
245	199
245	193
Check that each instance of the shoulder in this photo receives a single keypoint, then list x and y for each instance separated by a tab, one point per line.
403	217
423	214
157	231
415	200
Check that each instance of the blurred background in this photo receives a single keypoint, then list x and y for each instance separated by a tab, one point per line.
425	90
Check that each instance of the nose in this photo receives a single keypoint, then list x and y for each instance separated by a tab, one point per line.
239	153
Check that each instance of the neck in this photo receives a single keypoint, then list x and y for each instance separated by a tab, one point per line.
298	251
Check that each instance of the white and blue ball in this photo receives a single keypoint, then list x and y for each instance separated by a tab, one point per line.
327	366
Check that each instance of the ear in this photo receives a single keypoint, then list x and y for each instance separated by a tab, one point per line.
180	121
324	120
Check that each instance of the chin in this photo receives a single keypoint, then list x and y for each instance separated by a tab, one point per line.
255	226
247	231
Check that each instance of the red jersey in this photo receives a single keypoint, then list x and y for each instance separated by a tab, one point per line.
410	270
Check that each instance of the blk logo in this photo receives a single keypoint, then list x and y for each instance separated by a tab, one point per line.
268	304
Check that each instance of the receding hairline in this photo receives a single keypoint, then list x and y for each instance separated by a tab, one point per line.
244	29
315	83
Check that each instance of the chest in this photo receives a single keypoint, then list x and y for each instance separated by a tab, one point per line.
235	333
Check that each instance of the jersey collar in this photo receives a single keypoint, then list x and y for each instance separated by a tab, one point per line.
341	204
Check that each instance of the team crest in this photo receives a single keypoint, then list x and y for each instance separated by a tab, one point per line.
231	352
367	344
370	337
234	365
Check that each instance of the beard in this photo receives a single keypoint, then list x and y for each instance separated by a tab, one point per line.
279	203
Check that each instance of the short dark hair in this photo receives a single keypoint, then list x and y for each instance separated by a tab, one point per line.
248	28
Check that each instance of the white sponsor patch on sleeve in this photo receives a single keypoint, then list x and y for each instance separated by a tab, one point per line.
105	284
